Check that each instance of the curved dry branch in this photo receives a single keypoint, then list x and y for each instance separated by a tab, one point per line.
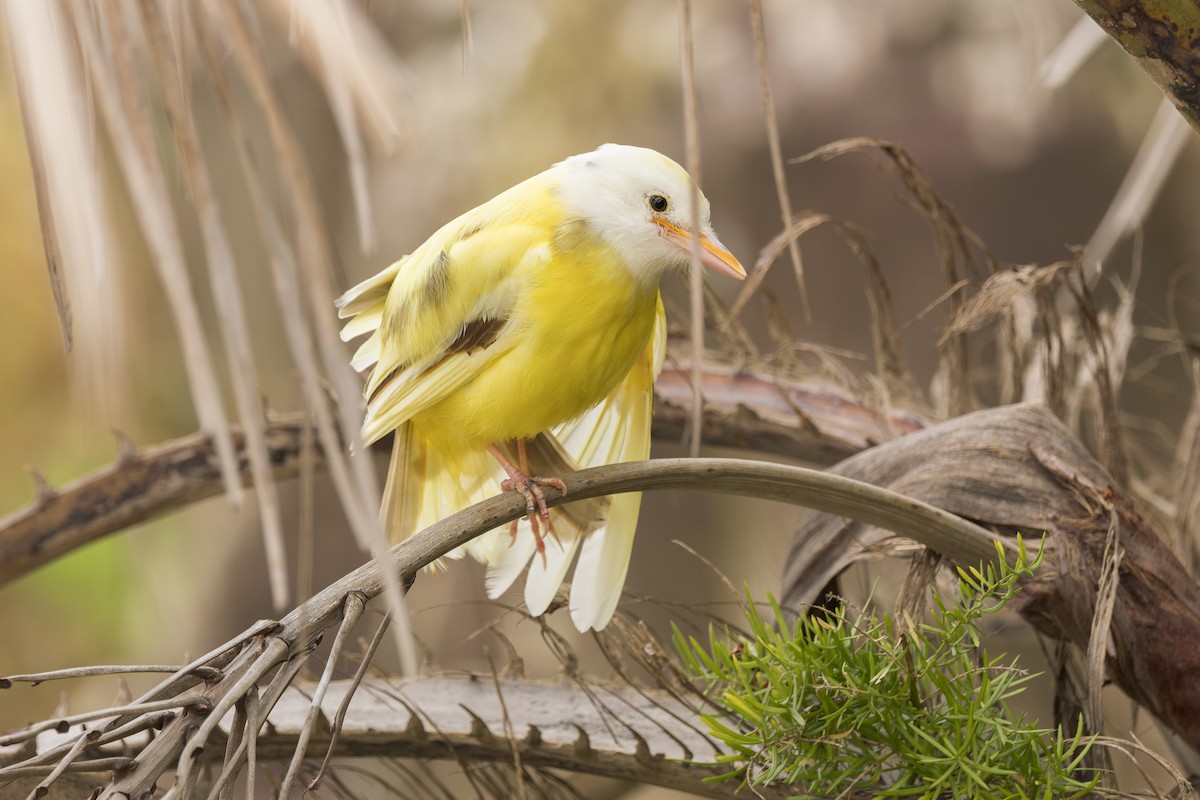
275	652
802	420
1162	37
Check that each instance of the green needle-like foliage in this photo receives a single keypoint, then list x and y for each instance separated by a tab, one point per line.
847	702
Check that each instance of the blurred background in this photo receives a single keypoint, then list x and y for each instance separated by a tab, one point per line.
476	100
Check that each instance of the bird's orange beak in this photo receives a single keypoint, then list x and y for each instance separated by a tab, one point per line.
713	254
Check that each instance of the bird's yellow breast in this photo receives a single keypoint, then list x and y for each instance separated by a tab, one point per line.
580	322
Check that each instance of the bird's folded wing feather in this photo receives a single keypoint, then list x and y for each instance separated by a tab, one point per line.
437	317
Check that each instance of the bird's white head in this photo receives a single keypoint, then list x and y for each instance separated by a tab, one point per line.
640	202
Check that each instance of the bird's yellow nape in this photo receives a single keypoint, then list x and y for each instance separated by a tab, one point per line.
713	254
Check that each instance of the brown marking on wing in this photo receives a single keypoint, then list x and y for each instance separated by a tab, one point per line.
476	335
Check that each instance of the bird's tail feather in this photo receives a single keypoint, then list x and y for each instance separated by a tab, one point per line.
618	431
425	485
573	522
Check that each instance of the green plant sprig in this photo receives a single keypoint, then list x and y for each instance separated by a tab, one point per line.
845	701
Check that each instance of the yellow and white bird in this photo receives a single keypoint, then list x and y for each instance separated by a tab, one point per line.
524	338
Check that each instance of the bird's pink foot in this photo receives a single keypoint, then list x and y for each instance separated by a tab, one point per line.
530	487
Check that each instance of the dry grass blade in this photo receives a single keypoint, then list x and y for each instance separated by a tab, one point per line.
324	26
353	478
1186	488
785	200
59	134
509	732
1000	292
337	38
805	221
691	127
227	294
1100	639
123	106
40	170
954	243
1084	39
1184	788
1159	151
312	254
1096	373
898	381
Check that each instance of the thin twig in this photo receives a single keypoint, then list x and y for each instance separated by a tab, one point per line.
187	676
91	765
35	678
509	733
64	723
691	127
339	718
65	763
354	607
258	707
95	738
273	653
781	188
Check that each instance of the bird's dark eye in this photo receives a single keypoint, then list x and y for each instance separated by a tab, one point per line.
658	203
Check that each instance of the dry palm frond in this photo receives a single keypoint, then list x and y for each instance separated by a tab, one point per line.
137	62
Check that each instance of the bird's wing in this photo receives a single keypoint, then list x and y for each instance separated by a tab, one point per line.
437	317
616	429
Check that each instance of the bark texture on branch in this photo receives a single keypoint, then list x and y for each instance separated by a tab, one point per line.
1019	470
1163	36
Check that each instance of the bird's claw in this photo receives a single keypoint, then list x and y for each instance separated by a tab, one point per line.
536	510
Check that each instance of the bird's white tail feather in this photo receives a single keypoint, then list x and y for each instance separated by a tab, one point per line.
572	523
619	431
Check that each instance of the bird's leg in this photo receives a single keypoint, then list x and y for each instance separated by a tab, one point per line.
531	488
523	462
